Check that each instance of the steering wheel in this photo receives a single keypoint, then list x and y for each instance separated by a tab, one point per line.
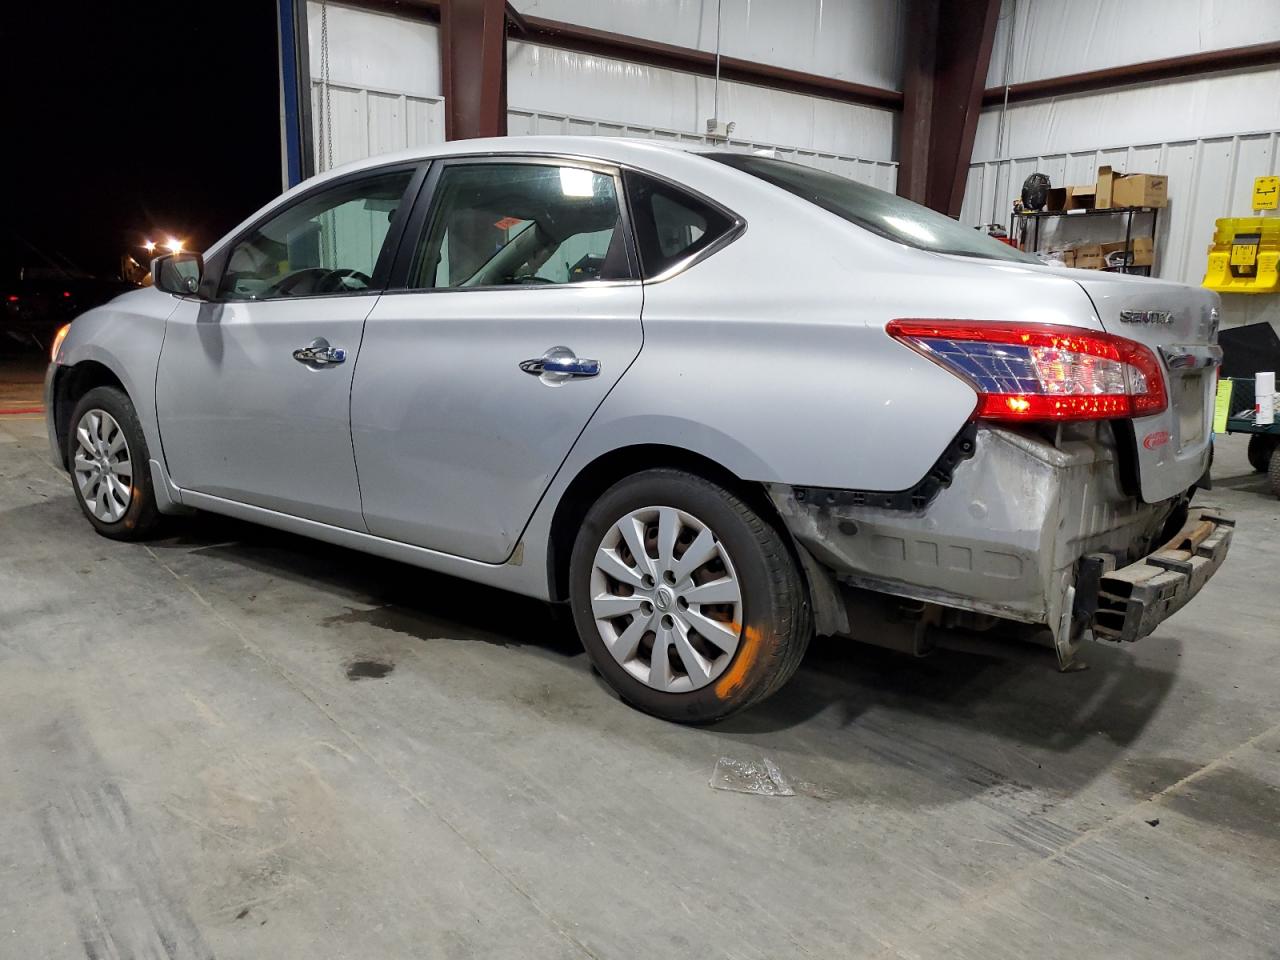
287	286
334	281
313	280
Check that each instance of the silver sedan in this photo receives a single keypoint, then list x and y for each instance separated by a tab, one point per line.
714	402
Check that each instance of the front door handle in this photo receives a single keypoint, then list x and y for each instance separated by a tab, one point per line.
559	364
318	353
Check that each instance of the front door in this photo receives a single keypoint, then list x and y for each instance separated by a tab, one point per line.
519	311
253	390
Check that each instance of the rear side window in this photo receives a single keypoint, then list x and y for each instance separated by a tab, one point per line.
671	225
880	212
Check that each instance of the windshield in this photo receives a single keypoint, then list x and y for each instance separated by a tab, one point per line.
882	213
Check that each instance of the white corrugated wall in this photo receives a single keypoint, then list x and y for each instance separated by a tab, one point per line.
384	92
855	40
876	173
1211	135
546	80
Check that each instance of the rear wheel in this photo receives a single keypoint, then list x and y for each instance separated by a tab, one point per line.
1261	446
687	600
110	469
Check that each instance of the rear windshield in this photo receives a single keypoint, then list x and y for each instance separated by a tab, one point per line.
882	213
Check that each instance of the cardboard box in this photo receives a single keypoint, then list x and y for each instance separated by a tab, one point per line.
1081	197
1069	258
1056	199
1108	249
1142	250
1105	179
1140	190
1089	256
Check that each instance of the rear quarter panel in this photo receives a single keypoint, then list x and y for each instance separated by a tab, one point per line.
770	356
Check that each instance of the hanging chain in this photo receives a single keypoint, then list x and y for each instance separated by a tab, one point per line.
330	232
326	132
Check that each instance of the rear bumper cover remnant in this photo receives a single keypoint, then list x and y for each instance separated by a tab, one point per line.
1134	600
1026	530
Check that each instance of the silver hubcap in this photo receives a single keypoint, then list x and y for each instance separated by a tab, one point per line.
103	467
666	599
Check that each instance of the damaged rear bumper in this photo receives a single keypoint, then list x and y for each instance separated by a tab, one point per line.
1132	601
1025	530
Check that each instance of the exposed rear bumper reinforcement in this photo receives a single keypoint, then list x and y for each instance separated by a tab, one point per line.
1134	600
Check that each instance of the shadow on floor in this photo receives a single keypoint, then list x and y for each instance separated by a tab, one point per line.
946	724
1026	702
404	599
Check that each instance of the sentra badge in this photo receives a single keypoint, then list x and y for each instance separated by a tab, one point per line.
1146	316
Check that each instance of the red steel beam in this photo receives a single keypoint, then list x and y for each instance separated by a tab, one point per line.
428	10
473	68
945	70
1192	64
914	129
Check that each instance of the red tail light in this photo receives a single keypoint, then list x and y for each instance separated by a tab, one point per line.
1040	371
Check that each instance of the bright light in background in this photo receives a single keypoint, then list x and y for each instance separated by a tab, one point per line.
173	245
149	246
576	182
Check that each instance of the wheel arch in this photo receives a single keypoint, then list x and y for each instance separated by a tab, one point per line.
69	385
607	469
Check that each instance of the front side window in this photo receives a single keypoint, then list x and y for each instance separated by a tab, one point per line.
326	244
521	224
671	224
880	212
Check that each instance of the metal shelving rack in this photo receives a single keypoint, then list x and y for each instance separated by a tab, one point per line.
1019	223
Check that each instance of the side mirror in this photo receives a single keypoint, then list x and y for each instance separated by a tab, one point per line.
178	273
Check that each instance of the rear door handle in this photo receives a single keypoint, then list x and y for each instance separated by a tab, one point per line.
559	364
318	353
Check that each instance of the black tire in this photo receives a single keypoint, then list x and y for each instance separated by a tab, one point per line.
776	621
1273	472
1261	446
141	518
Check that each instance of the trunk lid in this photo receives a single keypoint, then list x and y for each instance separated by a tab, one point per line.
1179	323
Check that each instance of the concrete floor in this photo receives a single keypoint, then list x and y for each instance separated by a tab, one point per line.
189	770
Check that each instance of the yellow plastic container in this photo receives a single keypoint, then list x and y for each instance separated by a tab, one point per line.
1245	256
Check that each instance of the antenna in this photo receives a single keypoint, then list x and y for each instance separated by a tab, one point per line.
714	127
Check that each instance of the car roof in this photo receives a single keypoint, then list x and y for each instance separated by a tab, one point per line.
646	154
610	149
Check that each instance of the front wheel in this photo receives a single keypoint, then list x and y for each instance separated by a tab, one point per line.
110	468
687	600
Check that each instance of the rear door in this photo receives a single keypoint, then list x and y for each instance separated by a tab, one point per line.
518	310
1180	325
